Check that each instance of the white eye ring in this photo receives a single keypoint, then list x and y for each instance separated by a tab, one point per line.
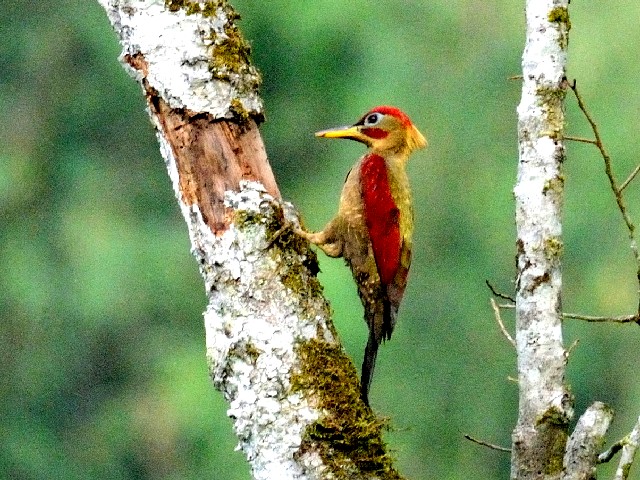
372	119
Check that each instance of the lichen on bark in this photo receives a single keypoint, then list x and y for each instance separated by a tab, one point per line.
545	403
265	304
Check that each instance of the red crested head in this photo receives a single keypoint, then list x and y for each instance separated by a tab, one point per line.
394	112
382	129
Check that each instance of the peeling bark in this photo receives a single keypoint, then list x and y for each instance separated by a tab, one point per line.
207	147
220	152
293	394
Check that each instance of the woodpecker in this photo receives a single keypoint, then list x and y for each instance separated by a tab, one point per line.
374	224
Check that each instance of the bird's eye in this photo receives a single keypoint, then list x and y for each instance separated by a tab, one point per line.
372	119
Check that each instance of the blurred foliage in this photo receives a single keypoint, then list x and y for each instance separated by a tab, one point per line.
102	351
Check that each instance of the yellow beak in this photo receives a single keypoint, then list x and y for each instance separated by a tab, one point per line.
351	133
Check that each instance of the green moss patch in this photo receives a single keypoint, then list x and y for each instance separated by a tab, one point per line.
348	435
191	7
230	53
560	15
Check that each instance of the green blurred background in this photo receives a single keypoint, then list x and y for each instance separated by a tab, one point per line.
102	350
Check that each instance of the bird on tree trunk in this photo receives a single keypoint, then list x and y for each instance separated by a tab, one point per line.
374	224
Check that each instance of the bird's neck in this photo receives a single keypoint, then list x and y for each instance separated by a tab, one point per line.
392	156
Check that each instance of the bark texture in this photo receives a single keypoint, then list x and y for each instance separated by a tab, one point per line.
585	443
629	448
293	394
545	405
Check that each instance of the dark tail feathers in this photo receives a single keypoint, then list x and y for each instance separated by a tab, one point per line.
377	333
368	365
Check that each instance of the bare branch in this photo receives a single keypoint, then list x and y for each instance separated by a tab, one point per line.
608	454
496	311
486	444
569	350
602	319
590	318
499	294
617	189
581	457
629	178
580	139
629	447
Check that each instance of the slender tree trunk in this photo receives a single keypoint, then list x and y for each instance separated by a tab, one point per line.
542	448
545	405
293	394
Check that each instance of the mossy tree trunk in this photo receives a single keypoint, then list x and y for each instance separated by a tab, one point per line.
292	392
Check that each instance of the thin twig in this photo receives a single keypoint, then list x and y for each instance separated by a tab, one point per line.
589	318
629	178
607	455
575	343
629	447
486	444
496	311
580	139
603	319
499	294
617	190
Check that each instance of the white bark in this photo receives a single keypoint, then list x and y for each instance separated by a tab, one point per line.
584	445
253	325
545	406
177	49
628	453
269	340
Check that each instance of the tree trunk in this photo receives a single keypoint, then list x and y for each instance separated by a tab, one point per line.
542	448
545	405
293	394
